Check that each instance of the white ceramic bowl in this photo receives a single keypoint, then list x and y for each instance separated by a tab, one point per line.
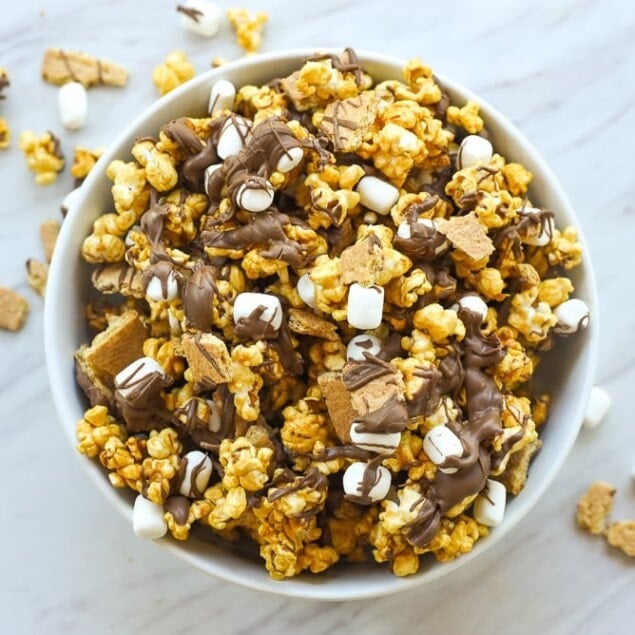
569	372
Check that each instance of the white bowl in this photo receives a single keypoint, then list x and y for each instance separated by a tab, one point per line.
568	372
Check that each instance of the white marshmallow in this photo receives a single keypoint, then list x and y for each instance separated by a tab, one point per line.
365	306
201	17
72	101
213	421
69	201
546	232
154	290
147	519
232	136
127	379
175	325
198	471
403	231
440	443
377	194
128	241
354	477
208	174
221	96
246	303
597	408
573	316
380	442
489	505
255	199
361	344
306	290
290	159
472	303
370	218
474	150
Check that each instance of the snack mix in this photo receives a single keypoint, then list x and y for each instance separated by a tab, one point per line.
320	311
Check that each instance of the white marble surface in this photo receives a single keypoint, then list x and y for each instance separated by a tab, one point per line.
564	72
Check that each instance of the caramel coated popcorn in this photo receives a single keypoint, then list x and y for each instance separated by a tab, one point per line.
248	26
43	156
320	313
175	70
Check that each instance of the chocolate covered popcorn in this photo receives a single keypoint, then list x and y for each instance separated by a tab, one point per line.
321	308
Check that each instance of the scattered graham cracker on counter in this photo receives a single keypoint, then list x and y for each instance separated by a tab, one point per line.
14	309
59	67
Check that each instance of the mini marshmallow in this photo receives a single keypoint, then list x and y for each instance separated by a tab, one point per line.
290	159
597	408
232	136
370	218
489	505
306	290
255	199
201	17
147	519
546	232
175	325
473	303
361	344
354	477
440	443
364	309
221	97
69	201
573	316
403	231
72	101
213	421
198	471
380	442
474	150
126	380
155	290
246	303
377	194
208	175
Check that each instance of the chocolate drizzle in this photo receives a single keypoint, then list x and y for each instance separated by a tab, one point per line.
198	296
254	327
346	62
153	219
370	479
179	507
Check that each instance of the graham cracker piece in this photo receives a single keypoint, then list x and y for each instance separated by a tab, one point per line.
119	278
37	274
347	121
515	475
622	535
307	323
59	67
467	234
208	360
375	393
362	261
338	404
96	390
13	309
49	231
117	346
595	507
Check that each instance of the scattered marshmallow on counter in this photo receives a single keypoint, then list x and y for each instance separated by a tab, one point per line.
246	303
255	199
232	137
72	101
221	97
380	442
361	344
158	291
353	481
306	290
365	306
147	519
201	17
127	380
474	150
196	475
573	316
597	408
489	505
377	194
441	443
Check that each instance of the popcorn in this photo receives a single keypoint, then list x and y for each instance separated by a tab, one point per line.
328	329
43	156
176	70
248	26
5	134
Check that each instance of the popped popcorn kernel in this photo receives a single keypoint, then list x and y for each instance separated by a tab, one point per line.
467	117
174	71
249	27
43	156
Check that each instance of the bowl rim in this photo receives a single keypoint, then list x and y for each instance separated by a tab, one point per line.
298	587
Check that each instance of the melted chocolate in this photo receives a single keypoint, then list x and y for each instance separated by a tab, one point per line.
179	507
198	295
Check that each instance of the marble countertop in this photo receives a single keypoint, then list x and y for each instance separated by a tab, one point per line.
563	72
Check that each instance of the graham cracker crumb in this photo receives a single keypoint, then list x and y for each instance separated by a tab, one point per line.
622	535
307	323
36	275
13	309
208	360
49	231
515	475
346	121
467	234
362	261
59	67
338	404
595	507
